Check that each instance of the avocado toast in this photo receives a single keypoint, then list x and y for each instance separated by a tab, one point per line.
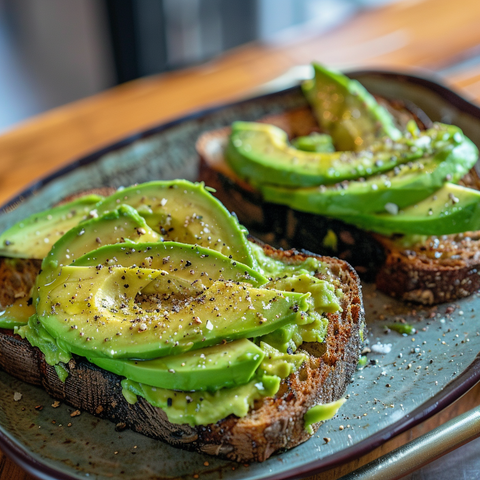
372	181
141	291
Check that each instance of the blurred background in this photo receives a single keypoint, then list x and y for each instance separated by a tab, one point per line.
53	52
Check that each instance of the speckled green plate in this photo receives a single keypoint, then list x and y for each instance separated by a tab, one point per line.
409	379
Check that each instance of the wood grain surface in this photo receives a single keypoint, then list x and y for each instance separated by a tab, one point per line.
430	37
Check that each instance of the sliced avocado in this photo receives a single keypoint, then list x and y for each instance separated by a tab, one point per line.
211	368
185	212
282	338
452	209
117	226
100	311
34	236
189	262
17	314
450	155
315	142
96	312
203	408
346	111
260	153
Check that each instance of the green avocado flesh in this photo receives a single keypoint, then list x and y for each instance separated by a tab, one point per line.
194	330
54	352
184	212
452	157
181	259
16	314
379	178
320	413
103	311
34	236
280	364
231	392
203	408
452	209
315	142
260	153
116	226
346	110
212	368
177	210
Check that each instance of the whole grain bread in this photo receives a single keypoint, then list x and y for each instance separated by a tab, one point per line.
431	271
273	424
17	276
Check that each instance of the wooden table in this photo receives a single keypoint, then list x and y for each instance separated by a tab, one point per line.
438	37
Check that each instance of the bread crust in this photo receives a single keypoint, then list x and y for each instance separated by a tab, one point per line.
272	425
438	270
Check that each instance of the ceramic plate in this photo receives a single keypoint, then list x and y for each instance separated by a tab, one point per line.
409	378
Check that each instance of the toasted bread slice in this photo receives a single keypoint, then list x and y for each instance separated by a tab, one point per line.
275	423
432	271
439	269
435	269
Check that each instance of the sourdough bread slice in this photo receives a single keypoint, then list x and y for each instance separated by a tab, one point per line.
431	271
273	424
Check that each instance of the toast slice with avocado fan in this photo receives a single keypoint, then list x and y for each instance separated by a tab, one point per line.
274	423
427	270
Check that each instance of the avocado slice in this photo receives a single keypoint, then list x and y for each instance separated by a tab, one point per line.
185	212
34	236
211	368
346	111
452	209
260	153
315	142
178	271
203	408
101	312
451	156
178	210
117	226
189	262
16	314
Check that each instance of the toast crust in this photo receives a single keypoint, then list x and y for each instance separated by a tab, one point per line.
272	425
439	270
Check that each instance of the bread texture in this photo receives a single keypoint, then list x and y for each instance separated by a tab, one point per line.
275	423
433	270
17	276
